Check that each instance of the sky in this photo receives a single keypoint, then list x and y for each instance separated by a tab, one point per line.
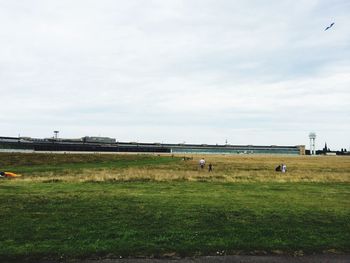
195	71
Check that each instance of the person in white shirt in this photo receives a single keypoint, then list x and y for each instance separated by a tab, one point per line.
202	163
284	168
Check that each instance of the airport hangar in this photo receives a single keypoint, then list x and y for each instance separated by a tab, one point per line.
106	144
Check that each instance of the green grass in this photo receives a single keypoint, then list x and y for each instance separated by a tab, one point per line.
31	164
57	219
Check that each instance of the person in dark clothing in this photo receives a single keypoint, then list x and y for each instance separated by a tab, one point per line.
278	168
210	167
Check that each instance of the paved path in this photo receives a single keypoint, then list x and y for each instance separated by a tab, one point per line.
235	259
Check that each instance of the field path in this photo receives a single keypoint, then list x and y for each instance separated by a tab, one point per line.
233	259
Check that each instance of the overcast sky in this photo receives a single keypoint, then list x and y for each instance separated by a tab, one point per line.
194	71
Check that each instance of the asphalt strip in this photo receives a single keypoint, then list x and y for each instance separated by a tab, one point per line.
324	258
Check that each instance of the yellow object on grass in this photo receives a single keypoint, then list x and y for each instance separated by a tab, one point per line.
10	174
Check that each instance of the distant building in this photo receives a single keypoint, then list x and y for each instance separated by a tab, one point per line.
237	149
325	148
98	139
106	144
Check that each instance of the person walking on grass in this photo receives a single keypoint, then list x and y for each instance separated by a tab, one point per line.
202	163
210	167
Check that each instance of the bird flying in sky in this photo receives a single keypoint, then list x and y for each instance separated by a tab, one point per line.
328	27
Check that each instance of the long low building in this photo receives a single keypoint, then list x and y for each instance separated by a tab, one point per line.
240	149
105	144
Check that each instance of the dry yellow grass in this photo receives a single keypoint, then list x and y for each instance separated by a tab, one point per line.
238	168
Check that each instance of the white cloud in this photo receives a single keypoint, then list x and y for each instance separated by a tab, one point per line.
194	71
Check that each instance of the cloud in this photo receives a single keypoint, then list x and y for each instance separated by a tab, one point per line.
199	71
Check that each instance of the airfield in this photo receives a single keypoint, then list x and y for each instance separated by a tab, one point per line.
67	207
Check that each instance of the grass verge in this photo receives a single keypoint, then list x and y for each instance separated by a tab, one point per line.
78	220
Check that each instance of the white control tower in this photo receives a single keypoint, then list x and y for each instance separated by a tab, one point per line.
312	137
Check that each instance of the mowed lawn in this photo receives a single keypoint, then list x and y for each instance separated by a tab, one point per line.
64	218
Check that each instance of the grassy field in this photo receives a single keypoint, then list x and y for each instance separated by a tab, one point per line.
77	206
